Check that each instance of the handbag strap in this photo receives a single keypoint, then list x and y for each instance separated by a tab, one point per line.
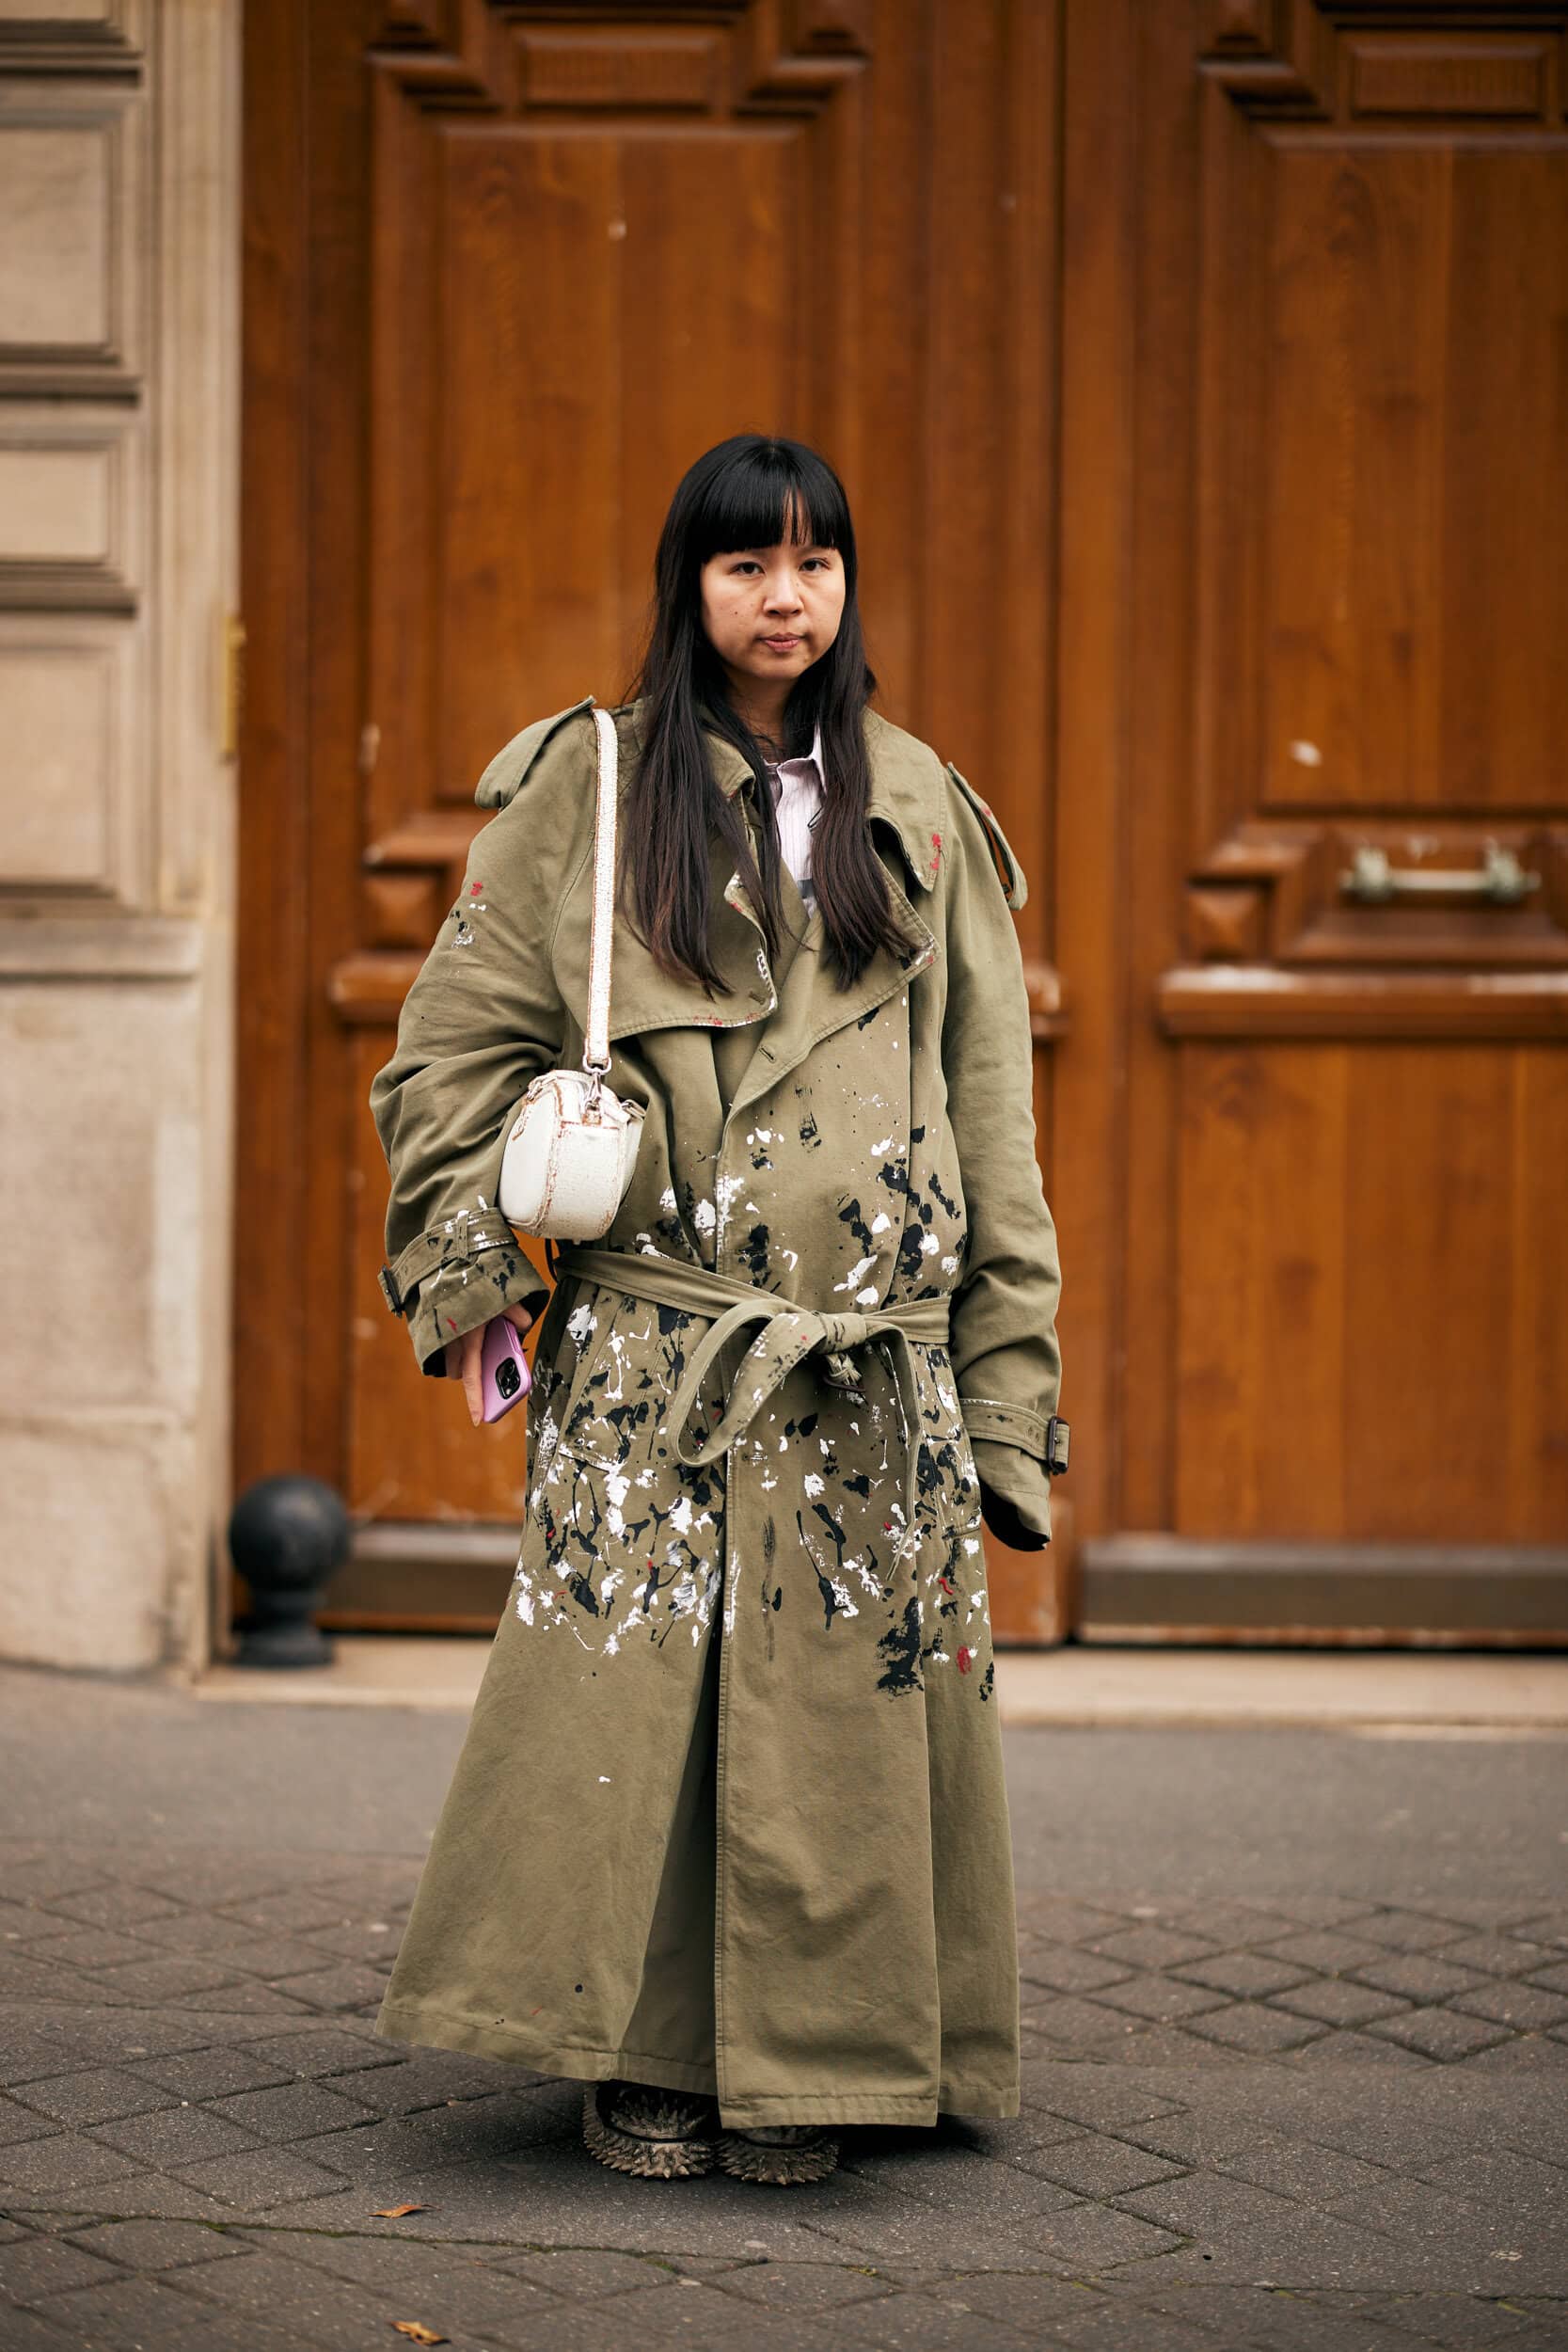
596	1049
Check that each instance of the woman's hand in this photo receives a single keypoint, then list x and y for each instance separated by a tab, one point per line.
465	1359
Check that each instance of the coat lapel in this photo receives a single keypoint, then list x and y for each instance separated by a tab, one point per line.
794	1008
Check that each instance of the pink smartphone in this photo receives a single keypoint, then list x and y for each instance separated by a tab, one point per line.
504	1368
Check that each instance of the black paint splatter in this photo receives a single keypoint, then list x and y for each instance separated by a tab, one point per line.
899	1650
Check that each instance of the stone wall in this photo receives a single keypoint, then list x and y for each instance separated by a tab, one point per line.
118	394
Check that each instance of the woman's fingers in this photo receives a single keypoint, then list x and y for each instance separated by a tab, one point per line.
520	1316
473	1344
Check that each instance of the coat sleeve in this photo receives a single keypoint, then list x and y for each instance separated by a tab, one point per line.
1007	1364
482	1019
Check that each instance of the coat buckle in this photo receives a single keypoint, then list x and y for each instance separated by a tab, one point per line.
389	1291
1057	1435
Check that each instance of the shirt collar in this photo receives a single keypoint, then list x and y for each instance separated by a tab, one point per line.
908	787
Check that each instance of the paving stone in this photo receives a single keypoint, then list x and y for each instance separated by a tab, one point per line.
1439	2033
797	2286
176	2136
1117	2326
20	1923
1500	1955
1066	1920
1339	2001
1299	2169
91	1948
29	2331
1337	2051
264	2178
1418	1977
587	2274
342	1986
1066	2021
149	2245
1503	2181
54	2168
1240	2230
325	2050
1554	1978
1465	2322
913	2323
1248	2026
44	1878
1409	1930
115	1905
1095	2166
1245	1974
295	1912
1150	1946
1094	2237
42	2267
278	2287
942	2175
1098	2099
1164	1999
18	2123
211	2073
1327	1954
170	1978
1027	2300
98	2095
293	2111
1523	2006
1063	1969
161	2315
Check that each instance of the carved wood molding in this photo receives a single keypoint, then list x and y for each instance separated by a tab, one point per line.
1277	891
513	56
1260	1000
1355	60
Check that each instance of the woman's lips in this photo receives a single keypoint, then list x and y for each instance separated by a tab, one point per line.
782	644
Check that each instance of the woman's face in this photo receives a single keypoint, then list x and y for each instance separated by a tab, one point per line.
772	611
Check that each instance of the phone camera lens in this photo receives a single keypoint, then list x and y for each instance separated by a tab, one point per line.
508	1379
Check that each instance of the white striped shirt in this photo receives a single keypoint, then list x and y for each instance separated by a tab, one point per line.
798	787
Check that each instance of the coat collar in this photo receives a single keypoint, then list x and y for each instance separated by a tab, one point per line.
797	1010
908	787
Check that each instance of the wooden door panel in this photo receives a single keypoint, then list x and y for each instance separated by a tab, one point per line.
1325	261
1372	1363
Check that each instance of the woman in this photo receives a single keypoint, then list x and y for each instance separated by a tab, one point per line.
728	1839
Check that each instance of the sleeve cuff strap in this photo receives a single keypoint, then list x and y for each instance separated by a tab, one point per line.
1013	1424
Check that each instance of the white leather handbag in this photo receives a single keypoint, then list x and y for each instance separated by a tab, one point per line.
573	1142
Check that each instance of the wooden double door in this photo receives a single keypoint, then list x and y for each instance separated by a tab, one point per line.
1197	371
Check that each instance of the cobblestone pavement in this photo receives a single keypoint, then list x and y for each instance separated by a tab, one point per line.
1303	2124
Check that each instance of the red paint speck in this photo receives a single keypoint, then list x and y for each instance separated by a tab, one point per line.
966	1660
451	1325
474	889
946	1584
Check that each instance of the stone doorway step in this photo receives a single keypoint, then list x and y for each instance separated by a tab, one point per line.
1389	1693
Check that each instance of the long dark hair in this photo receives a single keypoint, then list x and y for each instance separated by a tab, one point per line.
753	490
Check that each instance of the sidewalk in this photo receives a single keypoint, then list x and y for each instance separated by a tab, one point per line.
1296	2074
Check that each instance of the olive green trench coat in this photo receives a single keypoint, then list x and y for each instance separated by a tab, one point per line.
730	1813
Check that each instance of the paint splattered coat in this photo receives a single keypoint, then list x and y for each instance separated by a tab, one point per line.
730	1811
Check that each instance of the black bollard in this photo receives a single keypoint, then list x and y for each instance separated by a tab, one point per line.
287	1534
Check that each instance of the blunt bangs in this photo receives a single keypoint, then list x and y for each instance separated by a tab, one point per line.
749	497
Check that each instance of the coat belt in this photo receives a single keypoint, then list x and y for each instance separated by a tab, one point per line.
789	1334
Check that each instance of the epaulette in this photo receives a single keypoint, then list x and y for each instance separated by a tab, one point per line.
503	777
1009	873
